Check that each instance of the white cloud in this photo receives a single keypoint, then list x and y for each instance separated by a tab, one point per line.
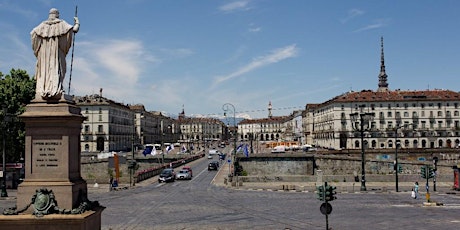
235	6
109	64
255	29
378	24
275	57
352	14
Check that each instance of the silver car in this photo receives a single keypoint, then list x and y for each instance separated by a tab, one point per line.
183	175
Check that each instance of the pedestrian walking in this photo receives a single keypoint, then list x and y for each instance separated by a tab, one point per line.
110	183
415	189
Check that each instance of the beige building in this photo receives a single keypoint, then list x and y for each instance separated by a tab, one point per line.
416	119
152	127
109	125
272	128
199	132
113	126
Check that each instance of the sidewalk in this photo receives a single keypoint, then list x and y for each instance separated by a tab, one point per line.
221	179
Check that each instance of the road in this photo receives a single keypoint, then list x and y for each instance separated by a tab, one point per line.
198	204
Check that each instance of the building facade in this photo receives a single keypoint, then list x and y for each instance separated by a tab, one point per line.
414	119
417	119
152	127
200	132
109	125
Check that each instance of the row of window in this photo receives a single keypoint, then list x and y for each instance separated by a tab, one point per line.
406	105
414	114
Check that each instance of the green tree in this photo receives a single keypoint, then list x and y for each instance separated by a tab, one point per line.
17	89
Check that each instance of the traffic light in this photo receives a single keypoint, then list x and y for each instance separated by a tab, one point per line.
399	168
430	172
320	193
132	164
330	193
423	172
427	172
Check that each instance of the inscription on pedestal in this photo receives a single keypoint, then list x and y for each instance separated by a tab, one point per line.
46	154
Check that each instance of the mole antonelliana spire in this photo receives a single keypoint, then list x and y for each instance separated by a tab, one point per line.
383	85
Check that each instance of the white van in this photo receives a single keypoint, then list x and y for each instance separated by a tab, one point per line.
279	149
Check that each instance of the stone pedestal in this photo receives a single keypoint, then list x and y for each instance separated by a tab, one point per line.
89	220
52	152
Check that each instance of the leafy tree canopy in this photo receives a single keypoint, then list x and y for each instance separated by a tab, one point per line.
17	89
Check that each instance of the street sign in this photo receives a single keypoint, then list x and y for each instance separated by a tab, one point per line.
325	208
229	161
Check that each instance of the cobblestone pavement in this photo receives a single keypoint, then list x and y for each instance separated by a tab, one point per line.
271	205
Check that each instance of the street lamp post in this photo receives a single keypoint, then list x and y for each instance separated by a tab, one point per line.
131	165
396	166
364	119
251	138
396	158
435	163
226	108
162	141
4	193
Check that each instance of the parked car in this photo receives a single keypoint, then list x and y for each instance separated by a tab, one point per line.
213	152
183	174
167	175
212	166
189	169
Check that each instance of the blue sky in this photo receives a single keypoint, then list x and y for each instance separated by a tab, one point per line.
201	54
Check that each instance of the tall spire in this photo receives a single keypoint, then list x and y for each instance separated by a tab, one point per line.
383	85
182	114
270	109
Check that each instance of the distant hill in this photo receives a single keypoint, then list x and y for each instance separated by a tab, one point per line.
226	120
229	121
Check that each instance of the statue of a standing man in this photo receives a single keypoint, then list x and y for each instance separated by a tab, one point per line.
51	41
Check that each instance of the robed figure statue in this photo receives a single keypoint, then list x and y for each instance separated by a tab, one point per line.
51	41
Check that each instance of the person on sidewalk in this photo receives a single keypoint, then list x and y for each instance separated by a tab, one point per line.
416	190
110	183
